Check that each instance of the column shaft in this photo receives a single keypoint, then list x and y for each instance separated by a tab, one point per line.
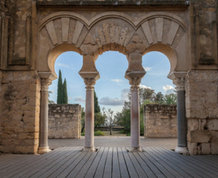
89	120
135	119
43	135
181	119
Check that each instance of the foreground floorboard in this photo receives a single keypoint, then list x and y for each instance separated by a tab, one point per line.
108	162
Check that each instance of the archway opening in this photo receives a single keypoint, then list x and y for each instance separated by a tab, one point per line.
158	98
64	121
112	90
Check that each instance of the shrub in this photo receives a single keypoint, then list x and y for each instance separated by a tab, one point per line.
99	133
83	134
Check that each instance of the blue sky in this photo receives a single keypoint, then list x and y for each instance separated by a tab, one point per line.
112	88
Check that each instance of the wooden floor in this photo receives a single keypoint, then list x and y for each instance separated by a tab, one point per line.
113	162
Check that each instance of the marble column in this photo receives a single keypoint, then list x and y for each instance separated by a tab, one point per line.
135	115
89	115
181	116
43	135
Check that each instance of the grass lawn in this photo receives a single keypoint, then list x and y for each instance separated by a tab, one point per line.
114	133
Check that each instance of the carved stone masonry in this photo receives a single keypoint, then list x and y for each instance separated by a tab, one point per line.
45	82
135	82
180	84
90	82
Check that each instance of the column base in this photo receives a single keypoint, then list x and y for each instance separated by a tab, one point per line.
135	149
89	149
43	150
182	150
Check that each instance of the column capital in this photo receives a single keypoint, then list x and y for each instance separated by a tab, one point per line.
180	84
135	82
90	82
45	82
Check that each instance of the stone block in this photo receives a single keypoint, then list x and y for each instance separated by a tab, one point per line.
214	137
214	148
212	124
205	148
192	148
193	124
199	136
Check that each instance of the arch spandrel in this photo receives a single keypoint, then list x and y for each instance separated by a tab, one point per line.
110	32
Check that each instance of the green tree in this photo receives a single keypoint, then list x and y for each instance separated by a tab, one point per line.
60	89
82	120
65	95
170	98
109	114
159	98
96	106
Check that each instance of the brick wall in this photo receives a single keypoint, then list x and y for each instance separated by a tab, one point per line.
160	121
64	121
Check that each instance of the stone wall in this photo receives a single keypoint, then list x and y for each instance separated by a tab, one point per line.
202	111
19	116
160	121
64	121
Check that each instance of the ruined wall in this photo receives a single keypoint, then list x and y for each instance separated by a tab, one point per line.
19	116
160	121
202	111
64	121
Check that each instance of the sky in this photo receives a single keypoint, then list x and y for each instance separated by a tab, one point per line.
112	87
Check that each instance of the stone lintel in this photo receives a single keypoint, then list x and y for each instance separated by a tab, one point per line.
112	2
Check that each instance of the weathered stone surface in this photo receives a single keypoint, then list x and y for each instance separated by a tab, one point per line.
214	148
199	136
212	124
214	137
205	148
160	121
192	148
64	121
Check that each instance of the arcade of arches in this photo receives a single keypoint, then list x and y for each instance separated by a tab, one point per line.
33	33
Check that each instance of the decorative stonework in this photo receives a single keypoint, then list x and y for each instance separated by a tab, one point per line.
135	82
90	82
45	84
180	84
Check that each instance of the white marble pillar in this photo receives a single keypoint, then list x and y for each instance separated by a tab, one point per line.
135	119
89	115
43	135
181	117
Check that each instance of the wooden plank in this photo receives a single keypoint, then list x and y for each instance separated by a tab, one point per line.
156	171
100	169
115	165
71	166
178	159
167	160
77	169
157	164
130	167
92	169
137	166
108	164
63	163
123	167
144	166
33	170
200	167
176	171
74	156
15	168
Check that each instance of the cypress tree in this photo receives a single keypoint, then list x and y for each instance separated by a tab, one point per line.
60	90
96	106
65	95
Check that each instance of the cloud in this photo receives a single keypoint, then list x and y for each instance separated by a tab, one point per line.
124	94
144	86
147	69
116	80
168	89
64	65
79	99
111	101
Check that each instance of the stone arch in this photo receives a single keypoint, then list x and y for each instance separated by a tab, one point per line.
167	34
54	33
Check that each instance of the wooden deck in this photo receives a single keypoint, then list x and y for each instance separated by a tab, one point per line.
113	162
